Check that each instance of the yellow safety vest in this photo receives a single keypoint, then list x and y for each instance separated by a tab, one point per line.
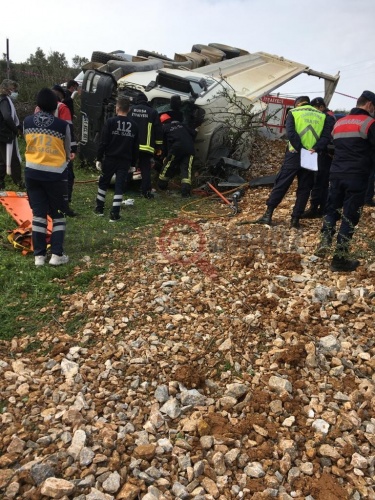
309	123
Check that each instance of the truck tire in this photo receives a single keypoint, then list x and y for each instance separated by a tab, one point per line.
215	55
104	57
148	53
196	59
230	52
131	67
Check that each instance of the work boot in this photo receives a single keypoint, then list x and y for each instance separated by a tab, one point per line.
344	264
294	223
311	213
324	245
266	217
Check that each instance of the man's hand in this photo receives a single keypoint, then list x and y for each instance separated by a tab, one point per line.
99	166
72	156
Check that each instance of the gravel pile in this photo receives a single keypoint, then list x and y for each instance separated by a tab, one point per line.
223	361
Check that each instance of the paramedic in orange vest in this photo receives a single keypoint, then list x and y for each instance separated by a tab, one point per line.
354	141
307	128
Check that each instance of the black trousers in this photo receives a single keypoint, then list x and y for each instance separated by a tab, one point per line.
112	167
145	165
15	165
347	195
290	169
319	192
47	198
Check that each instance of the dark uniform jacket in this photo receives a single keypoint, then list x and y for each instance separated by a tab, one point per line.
149	126
119	140
178	140
354	141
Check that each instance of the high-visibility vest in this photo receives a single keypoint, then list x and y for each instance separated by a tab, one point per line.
308	123
352	126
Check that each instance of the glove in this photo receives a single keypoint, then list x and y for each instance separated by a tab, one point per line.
99	166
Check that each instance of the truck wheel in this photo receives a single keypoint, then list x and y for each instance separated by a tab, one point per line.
131	67
148	53
230	52
104	57
214	54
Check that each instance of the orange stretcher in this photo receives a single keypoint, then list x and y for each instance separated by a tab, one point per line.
17	206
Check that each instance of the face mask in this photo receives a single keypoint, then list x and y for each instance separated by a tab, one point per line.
13	95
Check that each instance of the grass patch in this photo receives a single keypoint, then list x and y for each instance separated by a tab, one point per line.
25	290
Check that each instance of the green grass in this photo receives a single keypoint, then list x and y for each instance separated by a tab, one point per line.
25	290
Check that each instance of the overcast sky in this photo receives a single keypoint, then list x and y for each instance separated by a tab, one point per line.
327	35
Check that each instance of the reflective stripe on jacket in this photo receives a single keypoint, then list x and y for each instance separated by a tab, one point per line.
308	123
352	126
354	141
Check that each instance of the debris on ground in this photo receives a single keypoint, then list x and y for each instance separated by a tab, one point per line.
225	362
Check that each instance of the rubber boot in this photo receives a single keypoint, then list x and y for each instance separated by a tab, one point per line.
266	217
294	223
324	245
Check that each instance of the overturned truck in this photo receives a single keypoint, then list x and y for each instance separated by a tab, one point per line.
204	78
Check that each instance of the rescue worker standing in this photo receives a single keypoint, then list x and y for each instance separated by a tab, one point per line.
47	155
354	141
306	127
178	151
150	139
119	147
319	192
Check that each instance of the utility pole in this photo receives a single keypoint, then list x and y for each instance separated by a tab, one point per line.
8	60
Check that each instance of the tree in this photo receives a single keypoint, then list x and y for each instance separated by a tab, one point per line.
38	60
79	61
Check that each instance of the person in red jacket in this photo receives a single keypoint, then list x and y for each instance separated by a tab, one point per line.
354	141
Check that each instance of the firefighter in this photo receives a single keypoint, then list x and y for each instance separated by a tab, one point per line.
150	139
306	127
178	151
319	192
354	141
119	146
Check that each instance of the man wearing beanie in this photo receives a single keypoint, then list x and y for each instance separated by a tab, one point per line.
47	154
354	141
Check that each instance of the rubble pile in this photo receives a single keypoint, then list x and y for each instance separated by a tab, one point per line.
224	362
266	156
